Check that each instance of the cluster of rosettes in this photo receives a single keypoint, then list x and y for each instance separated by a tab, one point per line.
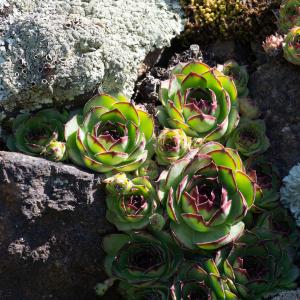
198	207
289	37
289	24
222	19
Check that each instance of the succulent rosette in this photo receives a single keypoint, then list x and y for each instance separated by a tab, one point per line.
239	74
279	221
39	134
149	168
141	259
171	145
267	182
248	108
56	151
258	265
130	207
291	46
289	15
199	100
206	195
203	282
112	134
157	291
249	138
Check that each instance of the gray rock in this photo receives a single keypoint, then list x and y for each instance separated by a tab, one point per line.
275	87
288	295
53	51
52	220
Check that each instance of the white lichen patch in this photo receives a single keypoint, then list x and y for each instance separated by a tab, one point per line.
290	192
57	50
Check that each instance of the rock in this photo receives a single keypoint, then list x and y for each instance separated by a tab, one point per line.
54	51
275	87
52	220
288	295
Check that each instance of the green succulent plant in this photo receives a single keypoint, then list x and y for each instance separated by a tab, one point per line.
55	151
204	281
258	265
267	180
249	138
199	100
289	15
112	134
238	73
39	134
279	221
141	259
157	222
171	145
149	169
130	202
157	291
291	46
206	195
248	108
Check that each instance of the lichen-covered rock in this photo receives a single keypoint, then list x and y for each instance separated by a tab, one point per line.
56	50
288	295
52	220
275	88
290	192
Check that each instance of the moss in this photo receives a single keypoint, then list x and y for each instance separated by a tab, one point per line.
224	19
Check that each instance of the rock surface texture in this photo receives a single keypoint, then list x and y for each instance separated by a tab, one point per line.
52	219
52	51
275	87
288	295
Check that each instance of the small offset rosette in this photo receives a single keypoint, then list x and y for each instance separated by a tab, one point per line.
289	15
171	145
239	75
39	134
291	46
130	202
249	138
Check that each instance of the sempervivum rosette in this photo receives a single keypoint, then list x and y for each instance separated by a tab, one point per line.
39	134
249	138
258	265
129	207
268	182
171	145
200	100
289	15
157	291
207	194
141	259
201	281
112	134
239	75
291	46
279	221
